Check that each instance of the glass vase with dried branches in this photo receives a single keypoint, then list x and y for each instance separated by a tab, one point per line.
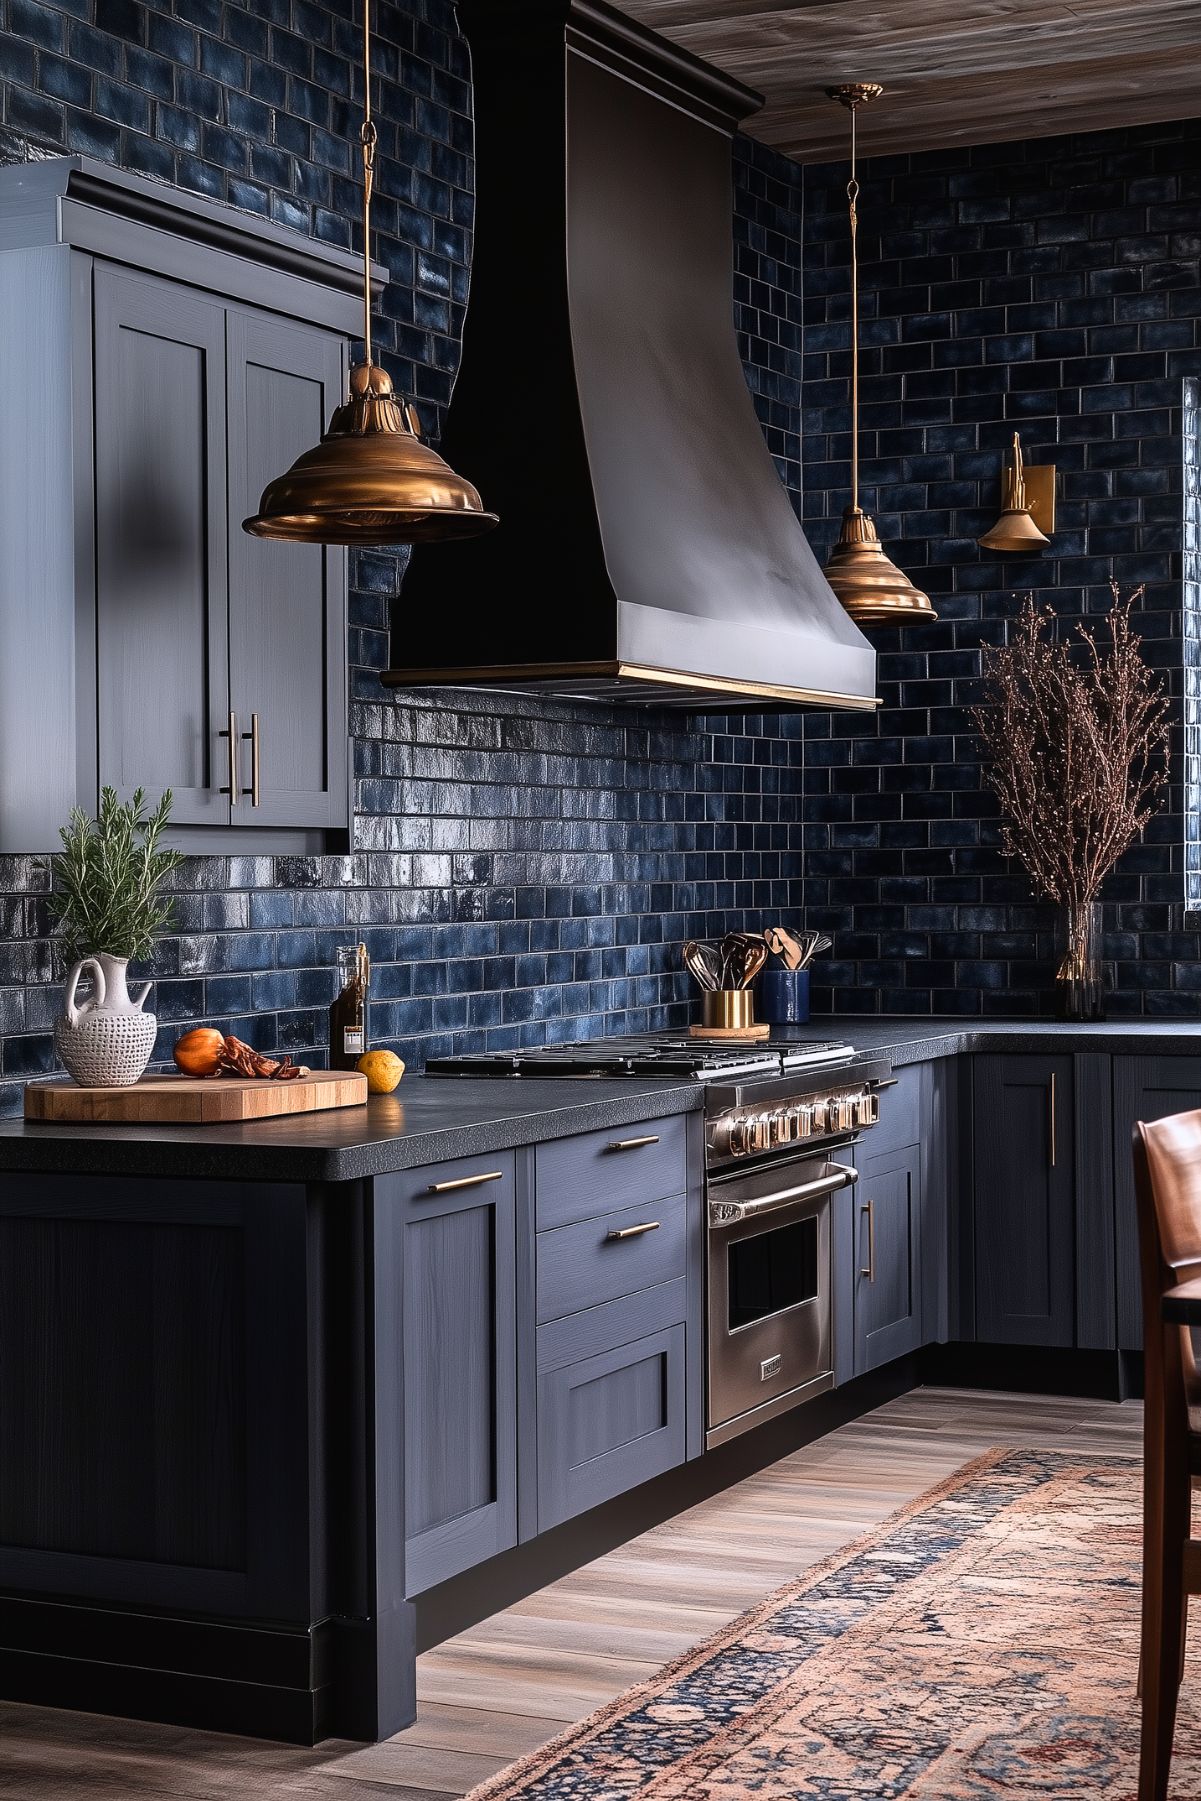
1075	736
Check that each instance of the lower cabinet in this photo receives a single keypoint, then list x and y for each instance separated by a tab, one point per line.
595	1318
888	1252
1024	1213
460	1364
1145	1088
609	1422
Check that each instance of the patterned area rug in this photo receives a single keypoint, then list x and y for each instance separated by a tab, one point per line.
983	1642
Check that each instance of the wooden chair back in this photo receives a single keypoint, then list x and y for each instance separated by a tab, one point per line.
1167	1180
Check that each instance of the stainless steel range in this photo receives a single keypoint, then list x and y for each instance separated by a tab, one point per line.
779	1118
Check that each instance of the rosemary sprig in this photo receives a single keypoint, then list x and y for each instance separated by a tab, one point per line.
107	876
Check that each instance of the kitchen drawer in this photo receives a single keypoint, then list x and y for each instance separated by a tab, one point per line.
577	1178
586	1264
609	1422
580	1335
491	1175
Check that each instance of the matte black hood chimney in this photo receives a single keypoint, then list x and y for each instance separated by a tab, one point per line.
647	550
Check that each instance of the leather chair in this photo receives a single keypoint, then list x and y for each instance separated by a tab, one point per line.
1167	1174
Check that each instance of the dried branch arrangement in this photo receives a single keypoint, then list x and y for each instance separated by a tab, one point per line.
1075	734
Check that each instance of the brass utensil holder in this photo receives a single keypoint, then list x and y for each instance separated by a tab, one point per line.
729	1013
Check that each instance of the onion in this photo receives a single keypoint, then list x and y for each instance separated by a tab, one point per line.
198	1050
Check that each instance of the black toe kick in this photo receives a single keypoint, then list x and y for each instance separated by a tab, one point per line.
265	1682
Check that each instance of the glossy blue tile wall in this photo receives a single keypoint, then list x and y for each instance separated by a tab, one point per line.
521	871
1051	288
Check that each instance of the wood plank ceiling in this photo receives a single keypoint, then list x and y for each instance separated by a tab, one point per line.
955	71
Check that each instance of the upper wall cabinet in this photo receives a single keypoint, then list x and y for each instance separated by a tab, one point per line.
162	358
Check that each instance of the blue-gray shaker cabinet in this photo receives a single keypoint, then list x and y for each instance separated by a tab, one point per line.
1024	1212
618	1344
186	352
888	1251
457	1277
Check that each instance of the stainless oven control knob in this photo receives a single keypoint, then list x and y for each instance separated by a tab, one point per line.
781	1126
865	1110
821	1116
761	1131
802	1115
733	1135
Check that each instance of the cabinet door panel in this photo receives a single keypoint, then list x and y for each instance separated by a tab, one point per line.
161	542
1145	1088
1024	1200
460	1379
608	1423
888	1301
287	632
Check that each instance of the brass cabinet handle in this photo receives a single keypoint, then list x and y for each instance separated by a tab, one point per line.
869	1207
253	735
231	732
492	1175
615	1237
632	1144
1051	1105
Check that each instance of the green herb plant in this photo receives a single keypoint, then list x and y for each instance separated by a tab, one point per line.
106	878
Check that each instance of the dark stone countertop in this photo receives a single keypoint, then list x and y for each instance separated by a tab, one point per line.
432	1119
429	1119
921	1040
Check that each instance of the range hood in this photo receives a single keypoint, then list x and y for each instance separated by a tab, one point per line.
647	550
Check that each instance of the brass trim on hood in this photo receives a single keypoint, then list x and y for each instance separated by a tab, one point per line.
527	674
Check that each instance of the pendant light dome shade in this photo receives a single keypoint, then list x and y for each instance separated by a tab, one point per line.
370	480
869	584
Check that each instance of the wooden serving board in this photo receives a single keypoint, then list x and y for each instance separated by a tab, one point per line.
194	1101
746	1033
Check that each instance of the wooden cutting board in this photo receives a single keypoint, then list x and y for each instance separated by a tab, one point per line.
193	1101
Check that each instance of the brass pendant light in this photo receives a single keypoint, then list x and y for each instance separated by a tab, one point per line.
1015	529
869	585
370	480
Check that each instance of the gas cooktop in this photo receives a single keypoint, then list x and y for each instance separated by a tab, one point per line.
657	1054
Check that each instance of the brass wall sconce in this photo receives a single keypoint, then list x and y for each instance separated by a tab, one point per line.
1027	506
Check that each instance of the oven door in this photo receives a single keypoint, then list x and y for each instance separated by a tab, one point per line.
770	1339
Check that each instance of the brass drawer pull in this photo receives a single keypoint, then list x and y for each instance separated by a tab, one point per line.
493	1175
615	1237
253	735
869	1270
632	1144
1051	1110
231	732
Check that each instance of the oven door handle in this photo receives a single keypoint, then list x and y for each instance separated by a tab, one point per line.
834	1176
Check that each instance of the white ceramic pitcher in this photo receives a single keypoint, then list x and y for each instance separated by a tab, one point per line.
105	1041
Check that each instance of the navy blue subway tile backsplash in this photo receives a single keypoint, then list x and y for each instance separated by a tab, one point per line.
521	871
525	870
1051	288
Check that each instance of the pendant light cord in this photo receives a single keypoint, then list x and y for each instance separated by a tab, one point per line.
368	137
852	199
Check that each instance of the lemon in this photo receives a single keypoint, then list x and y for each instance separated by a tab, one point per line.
383	1070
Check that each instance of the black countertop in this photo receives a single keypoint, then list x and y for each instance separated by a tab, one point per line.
921	1040
431	1119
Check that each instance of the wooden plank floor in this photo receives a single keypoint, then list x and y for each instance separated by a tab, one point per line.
507	1685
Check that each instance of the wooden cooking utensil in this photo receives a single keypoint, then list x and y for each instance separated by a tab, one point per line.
782	944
